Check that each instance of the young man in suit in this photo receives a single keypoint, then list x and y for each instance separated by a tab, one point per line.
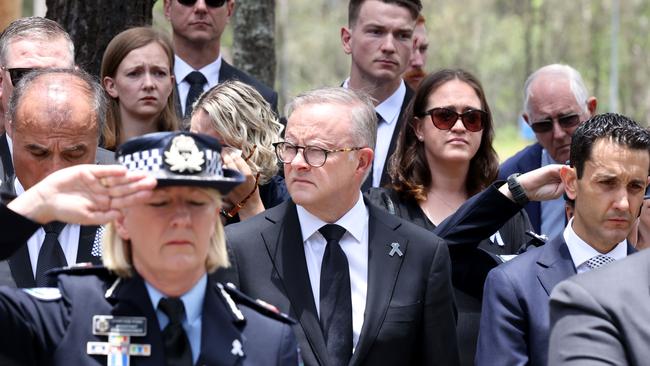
197	26
54	117
556	102
607	180
379	39
379	293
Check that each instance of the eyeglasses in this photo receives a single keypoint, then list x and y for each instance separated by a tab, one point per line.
209	3
445	118
313	155
546	125
17	73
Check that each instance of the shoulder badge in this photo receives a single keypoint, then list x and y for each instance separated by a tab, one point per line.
231	304
258	305
44	293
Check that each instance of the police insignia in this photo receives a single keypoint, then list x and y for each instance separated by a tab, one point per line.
183	155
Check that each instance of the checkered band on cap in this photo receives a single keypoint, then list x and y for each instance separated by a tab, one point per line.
152	161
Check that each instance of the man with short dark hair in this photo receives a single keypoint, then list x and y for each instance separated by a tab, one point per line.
416	70
197	27
379	39
54	117
367	287
607	178
556	102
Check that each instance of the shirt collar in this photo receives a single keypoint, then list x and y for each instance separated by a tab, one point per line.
10	143
210	71
390	108
192	299
547	159
581	251
309	224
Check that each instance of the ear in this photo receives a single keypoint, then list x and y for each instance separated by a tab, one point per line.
167	8
417	127
526	118
346	36
120	228
570	180
365	160
231	7
592	104
109	86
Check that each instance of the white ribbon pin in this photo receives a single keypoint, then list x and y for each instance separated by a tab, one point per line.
395	249
236	348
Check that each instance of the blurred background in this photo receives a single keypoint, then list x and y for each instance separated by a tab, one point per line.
501	41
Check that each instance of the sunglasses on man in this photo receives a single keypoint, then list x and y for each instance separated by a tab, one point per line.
17	73
546	125
445	118
209	3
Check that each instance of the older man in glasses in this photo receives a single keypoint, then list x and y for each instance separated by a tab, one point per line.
197	26
367	287
556	102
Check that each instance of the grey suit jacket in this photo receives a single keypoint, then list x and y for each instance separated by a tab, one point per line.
409	315
603	317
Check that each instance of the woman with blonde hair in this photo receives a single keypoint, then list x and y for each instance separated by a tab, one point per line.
239	117
137	74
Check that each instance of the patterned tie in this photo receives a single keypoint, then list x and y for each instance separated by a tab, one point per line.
50	255
598	261
335	298
196	80
175	342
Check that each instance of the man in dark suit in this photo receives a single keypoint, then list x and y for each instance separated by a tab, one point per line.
379	40
54	118
394	303
556	101
197	27
602	318
607	180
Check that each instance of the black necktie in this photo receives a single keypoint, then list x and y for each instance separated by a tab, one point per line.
50	256
177	346
335	298
196	80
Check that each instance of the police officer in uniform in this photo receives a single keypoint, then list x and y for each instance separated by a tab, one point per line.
154	302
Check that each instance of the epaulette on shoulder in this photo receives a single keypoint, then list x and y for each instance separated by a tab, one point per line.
82	269
258	305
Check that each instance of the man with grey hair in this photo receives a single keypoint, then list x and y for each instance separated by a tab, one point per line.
366	286
556	102
54	119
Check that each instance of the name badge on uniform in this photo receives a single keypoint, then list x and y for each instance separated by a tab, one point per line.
119	330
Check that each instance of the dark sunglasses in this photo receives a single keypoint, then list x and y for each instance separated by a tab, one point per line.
564	122
445	118
210	3
17	73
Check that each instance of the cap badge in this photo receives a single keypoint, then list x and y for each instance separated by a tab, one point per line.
183	155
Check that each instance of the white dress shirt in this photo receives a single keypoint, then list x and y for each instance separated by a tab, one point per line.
389	111
182	69
581	252
68	238
355	245
553	216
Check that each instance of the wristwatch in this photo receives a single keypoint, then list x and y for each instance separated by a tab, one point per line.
518	192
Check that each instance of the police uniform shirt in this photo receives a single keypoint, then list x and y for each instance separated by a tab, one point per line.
68	238
193	302
182	69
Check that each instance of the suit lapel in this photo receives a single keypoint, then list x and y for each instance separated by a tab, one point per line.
385	178
285	246
383	270
554	264
21	268
86	241
219	330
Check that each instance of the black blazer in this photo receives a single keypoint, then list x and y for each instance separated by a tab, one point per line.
6	166
229	72
385	178
15	266
409	316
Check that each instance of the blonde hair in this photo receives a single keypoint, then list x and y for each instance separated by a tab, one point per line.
240	115
116	252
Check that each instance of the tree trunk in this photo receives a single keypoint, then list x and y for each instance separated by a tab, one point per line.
93	23
254	39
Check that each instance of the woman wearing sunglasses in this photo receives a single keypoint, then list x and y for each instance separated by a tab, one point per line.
239	117
136	73
444	155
